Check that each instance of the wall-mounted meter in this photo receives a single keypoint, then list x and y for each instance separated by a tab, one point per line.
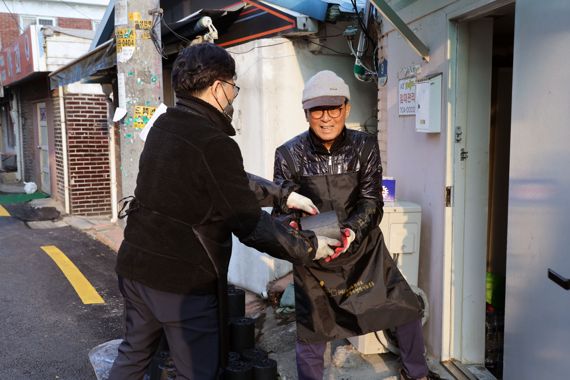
428	105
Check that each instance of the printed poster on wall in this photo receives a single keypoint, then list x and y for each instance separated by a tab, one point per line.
407	97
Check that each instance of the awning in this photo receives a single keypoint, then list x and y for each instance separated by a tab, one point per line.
316	9
257	20
92	67
98	66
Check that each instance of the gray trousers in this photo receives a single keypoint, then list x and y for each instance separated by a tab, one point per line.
310	356
190	323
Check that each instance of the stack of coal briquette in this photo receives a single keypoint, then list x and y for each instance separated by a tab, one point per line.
245	361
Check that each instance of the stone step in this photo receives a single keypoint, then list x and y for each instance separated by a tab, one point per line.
8	178
12	187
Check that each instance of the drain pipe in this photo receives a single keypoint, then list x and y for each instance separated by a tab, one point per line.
107	89
64	152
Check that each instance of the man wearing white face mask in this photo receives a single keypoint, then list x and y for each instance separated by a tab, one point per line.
192	193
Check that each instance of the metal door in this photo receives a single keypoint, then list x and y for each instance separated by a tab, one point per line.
43	147
537	320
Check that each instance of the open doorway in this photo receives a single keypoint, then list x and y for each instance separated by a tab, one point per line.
499	156
480	153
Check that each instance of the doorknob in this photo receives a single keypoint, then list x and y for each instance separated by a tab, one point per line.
560	280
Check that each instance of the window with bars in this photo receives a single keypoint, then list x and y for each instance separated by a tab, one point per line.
26	21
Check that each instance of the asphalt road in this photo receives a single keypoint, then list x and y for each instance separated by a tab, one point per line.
46	331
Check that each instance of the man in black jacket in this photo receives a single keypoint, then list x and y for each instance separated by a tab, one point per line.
192	193
359	289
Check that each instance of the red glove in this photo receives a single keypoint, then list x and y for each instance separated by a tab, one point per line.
348	237
294	225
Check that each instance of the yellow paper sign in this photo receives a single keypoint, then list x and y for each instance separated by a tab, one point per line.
142	116
125	37
143	24
134	16
143	27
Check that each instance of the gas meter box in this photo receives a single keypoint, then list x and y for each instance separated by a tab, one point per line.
428	105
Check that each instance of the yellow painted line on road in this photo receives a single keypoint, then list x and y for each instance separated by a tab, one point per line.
3	211
82	286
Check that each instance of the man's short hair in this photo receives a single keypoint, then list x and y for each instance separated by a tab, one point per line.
198	66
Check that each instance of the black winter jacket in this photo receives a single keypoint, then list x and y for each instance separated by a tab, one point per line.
350	151
191	176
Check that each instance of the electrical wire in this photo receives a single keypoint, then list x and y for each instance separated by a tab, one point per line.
77	10
326	47
369	71
285	42
180	37
362	23
13	17
258	47
333	36
364	27
156	19
380	341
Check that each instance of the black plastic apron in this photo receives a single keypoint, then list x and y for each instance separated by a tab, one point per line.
359	292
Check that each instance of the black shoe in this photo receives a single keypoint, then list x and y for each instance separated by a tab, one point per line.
430	376
433	376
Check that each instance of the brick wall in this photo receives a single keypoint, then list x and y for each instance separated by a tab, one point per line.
88	153
88	149
9	29
74	23
58	148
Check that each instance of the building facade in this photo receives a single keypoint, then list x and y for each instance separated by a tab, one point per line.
479	174
37	38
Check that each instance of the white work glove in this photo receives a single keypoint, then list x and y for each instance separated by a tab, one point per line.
348	237
326	247
300	202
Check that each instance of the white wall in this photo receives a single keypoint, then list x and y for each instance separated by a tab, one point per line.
61	49
84	88
92	9
268	113
416	160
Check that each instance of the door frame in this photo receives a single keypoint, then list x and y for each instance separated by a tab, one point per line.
456	285
40	144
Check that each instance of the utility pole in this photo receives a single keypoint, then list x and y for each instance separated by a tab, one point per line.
139	78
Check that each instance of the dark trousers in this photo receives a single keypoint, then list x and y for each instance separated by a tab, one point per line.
190	323
310	356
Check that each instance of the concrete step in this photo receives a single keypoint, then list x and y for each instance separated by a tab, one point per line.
14	188
8	177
